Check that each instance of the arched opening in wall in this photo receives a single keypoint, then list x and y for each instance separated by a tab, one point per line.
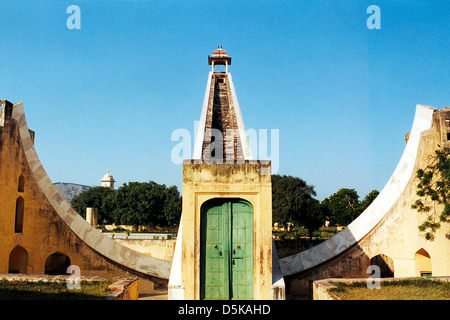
423	263
386	265
18	260
18	225
21	184
57	263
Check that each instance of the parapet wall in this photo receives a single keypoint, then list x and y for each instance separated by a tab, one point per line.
320	287
120	289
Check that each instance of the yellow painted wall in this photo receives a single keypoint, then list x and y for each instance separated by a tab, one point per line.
43	232
396	235
161	248
202	182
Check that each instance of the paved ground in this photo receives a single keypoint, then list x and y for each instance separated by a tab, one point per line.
159	294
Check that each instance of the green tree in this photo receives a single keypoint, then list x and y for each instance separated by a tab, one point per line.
434	188
92	198
313	215
140	204
343	206
368	199
291	197
109	205
172	206
134	203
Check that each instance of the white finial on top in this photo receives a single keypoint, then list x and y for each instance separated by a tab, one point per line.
108	181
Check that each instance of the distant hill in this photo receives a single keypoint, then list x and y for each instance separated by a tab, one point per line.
70	190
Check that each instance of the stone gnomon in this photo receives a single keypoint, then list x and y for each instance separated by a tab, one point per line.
40	232
224	246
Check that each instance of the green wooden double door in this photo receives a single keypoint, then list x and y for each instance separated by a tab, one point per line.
226	250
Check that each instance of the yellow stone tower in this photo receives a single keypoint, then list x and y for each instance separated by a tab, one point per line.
224	247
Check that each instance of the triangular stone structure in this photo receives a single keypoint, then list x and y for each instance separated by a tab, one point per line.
41	232
224	245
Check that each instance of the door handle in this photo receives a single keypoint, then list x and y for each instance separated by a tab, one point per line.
217	248
238	247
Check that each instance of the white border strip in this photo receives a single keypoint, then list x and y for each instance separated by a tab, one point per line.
242	133
201	126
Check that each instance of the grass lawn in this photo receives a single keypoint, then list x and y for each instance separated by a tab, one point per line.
421	289
41	290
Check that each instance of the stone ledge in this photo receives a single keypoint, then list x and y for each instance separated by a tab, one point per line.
121	288
124	289
125	259
320	287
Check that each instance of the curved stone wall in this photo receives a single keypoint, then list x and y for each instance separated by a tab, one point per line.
46	200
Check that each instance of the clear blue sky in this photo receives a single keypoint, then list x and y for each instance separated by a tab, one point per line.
109	95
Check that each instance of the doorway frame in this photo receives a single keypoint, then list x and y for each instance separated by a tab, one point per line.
226	249
249	181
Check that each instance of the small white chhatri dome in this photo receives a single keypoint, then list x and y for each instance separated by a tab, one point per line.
108	181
